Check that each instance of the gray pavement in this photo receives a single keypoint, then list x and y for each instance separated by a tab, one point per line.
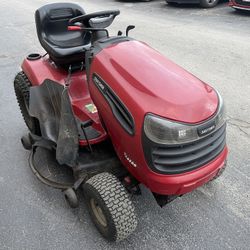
213	44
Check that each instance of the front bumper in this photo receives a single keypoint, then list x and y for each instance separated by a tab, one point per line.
186	182
183	1
239	4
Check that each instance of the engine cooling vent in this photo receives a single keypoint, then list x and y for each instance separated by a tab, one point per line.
180	158
119	110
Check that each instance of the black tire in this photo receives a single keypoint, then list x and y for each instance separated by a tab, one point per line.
110	207
174	4
71	198
21	86
208	3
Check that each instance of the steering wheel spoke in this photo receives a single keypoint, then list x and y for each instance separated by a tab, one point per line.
96	20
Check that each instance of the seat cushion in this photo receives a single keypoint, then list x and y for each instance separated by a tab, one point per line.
63	46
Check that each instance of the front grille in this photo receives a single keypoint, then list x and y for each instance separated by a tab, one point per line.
175	159
244	3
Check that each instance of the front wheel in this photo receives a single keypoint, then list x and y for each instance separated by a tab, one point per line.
110	207
71	198
208	3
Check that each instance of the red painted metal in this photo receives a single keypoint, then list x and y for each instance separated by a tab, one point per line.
39	70
234	4
146	82
74	28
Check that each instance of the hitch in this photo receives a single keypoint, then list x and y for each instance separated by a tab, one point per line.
163	200
130	27
132	185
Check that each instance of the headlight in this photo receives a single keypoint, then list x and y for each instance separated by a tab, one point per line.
163	131
220	117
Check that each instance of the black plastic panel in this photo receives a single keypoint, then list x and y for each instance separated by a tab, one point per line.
175	159
119	110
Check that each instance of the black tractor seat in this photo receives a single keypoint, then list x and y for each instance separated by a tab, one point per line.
64	47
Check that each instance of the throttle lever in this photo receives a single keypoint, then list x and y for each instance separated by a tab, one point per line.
130	27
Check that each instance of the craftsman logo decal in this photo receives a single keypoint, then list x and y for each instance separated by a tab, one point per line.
98	82
91	108
204	130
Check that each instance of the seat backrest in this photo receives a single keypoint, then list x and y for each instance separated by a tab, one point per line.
52	19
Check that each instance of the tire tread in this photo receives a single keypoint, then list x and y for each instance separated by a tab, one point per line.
118	202
21	86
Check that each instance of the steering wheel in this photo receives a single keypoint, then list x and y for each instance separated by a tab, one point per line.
101	19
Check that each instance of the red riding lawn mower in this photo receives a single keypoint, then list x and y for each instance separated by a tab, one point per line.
108	113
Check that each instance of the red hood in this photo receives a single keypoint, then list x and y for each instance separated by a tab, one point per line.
156	84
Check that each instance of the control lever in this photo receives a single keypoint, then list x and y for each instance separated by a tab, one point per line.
130	27
84	125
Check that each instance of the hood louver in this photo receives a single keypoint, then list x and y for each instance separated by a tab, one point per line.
119	110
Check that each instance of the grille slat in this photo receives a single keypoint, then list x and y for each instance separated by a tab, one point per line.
194	165
174	159
183	150
194	156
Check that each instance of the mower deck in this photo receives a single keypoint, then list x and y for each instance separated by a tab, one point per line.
90	161
43	163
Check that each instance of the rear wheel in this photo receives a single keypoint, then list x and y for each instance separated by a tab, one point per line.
22	86
208	3
110	207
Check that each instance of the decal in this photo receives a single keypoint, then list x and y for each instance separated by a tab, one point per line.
91	108
206	130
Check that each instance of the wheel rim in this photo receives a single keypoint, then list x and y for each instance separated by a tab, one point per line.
98	213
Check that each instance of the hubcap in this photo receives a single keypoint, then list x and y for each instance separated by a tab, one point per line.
98	213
